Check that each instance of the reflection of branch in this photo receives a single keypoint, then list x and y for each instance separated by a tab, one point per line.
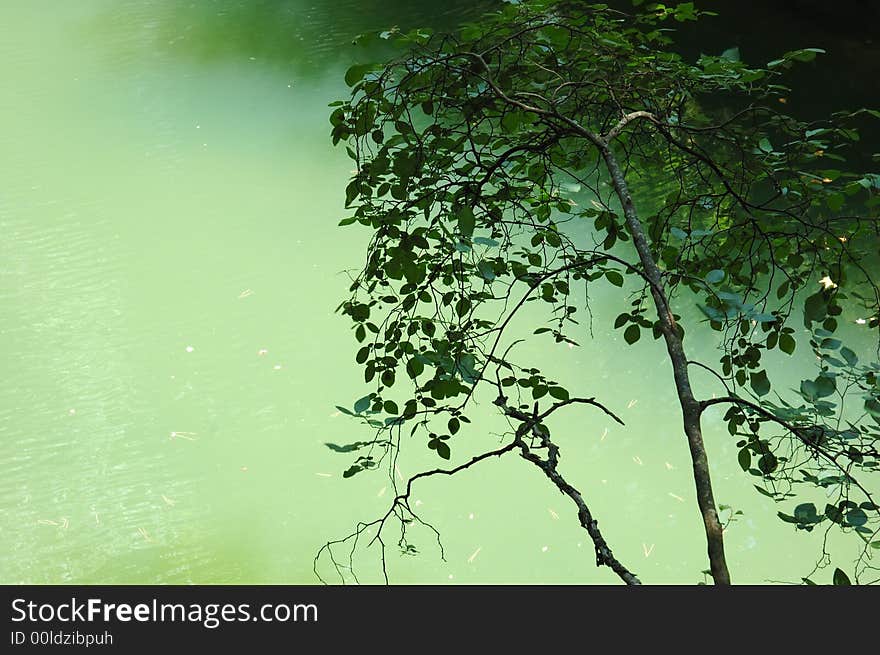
530	424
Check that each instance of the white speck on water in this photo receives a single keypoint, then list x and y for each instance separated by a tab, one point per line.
262	351
189	349
474	555
324	475
71	412
677	497
544	549
638	460
861	321
381	492
418	502
450	575
669	466
471	516
277	367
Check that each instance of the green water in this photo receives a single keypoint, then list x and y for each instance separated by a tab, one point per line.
169	266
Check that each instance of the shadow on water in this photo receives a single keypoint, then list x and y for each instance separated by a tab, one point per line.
294	35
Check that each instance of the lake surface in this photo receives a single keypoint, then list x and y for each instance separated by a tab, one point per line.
169	268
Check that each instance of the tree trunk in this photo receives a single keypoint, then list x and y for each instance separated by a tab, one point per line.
690	408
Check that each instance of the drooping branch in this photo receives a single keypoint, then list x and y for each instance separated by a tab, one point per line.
797	430
532	424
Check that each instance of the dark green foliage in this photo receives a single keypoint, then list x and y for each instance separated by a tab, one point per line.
484	192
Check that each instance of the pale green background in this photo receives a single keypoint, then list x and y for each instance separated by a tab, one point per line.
159	161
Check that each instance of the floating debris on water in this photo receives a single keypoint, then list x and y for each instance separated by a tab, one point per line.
46	522
245	293
677	497
647	550
669	466
544	549
474	555
189	436
277	367
381	492
71	412
471	516
324	475
262	351
604	434
553	514
632	403
189	349
638	460
145	535
168	501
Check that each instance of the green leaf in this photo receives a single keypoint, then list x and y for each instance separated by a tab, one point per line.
768	463
614	278
787	343
825	386
760	383
632	334
414	367
841	578
745	460
352	470
363	404
559	393
443	450
715	276
806	513
466	221
356	73
815	307
849	356
856	517
731	54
